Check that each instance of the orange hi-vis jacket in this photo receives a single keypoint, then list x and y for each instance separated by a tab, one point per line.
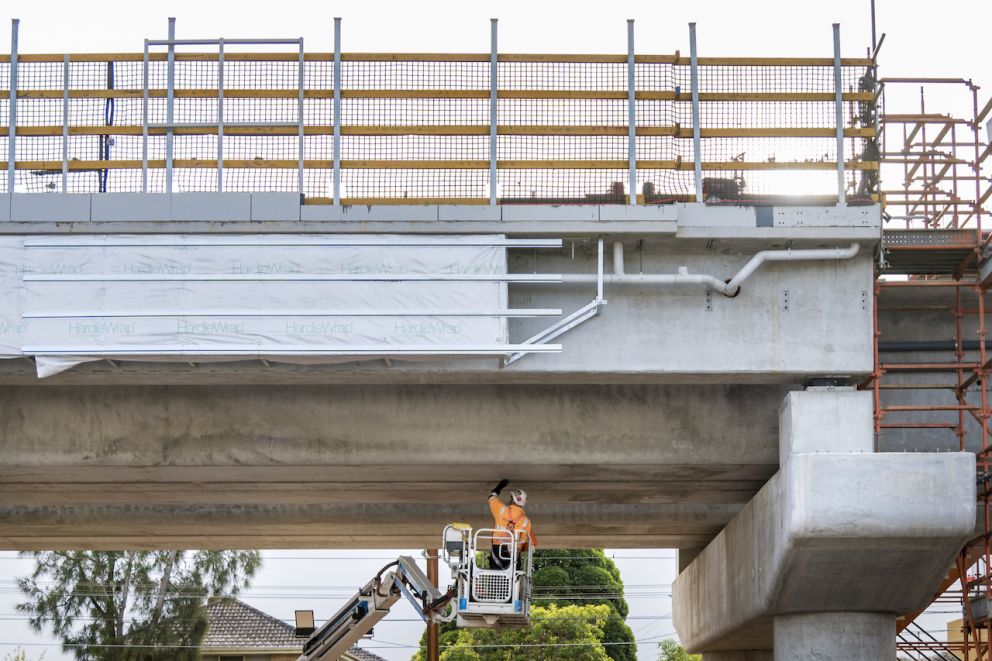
513	518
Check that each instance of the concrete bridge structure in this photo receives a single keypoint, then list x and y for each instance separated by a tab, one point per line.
726	427
676	365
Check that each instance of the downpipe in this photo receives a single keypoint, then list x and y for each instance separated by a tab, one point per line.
730	287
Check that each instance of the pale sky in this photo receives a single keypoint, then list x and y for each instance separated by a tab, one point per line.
949	38
322	580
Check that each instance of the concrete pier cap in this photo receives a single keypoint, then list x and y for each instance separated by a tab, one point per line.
838	543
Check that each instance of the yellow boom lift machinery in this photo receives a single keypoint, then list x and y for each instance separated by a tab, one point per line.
478	596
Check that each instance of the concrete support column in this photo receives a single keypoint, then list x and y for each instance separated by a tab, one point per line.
823	636
741	655
834	545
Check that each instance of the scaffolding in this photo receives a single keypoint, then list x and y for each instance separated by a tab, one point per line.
440	128
933	264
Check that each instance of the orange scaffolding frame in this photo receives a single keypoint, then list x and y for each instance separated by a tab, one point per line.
940	205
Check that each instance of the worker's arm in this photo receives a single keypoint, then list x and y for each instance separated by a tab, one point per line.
495	506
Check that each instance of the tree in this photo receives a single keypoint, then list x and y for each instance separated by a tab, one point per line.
562	578
131	605
672	651
574	633
586	576
20	655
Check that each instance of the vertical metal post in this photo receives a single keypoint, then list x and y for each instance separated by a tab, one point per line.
144	122
697	158
599	271
874	39
65	123
12	108
337	110
839	111
300	120
169	99
433	628
220	116
978	195
493	106
631	115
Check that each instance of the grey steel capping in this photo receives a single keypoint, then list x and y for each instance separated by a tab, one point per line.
213	42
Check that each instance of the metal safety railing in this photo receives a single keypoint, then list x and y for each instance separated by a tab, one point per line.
479	128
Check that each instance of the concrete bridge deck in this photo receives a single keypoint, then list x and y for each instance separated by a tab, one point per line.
653	427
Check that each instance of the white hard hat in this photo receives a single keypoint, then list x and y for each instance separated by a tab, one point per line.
519	497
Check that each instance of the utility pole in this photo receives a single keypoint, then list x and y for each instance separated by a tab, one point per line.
433	628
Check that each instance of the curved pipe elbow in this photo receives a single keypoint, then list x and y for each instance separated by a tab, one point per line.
729	288
732	288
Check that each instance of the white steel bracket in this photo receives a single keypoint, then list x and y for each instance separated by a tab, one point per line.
583	314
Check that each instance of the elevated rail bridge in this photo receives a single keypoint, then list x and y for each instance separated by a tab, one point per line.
253	294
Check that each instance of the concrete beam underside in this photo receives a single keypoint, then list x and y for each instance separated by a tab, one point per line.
363	467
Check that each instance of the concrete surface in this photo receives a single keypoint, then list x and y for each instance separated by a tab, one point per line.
826	419
830	636
840	530
366	467
740	655
791	320
829	532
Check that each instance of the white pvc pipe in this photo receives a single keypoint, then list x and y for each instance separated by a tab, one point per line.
618	258
728	288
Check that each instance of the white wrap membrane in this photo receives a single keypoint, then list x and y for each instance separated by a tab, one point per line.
304	298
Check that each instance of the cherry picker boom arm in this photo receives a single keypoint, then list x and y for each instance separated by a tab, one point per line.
493	595
370	605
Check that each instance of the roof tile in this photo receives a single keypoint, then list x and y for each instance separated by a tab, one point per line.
233	624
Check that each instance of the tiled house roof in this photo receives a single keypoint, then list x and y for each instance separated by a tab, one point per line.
234	625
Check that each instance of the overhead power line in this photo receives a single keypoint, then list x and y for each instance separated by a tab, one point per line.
651	639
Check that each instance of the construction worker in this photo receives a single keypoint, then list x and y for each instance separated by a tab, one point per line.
510	517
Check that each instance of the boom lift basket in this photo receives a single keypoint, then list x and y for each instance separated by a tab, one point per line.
489	596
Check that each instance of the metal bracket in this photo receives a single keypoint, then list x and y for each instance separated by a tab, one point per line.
583	314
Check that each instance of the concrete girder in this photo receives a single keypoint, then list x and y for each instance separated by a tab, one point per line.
383	525
330	466
648	333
